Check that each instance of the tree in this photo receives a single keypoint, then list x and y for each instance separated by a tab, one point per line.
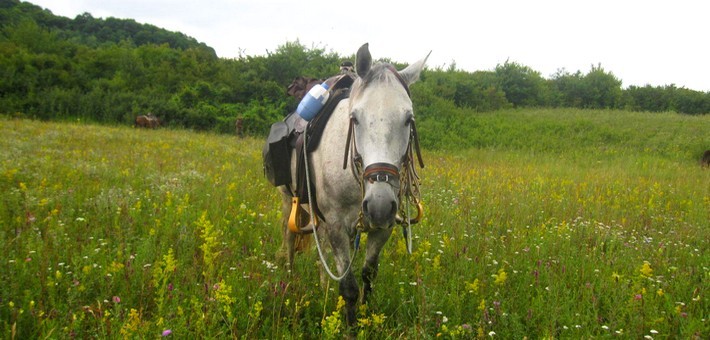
522	85
597	89
602	89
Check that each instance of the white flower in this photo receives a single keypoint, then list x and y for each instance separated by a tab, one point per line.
491	333
653	331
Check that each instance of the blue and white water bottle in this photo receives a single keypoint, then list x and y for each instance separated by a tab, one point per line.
313	101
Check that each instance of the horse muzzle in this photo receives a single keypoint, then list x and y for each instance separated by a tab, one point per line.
380	204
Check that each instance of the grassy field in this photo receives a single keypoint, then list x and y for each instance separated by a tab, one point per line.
545	224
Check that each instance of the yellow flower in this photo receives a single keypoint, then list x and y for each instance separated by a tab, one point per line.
473	286
378	319
646	269
500	277
340	304
660	292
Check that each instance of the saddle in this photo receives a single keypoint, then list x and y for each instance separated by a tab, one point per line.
291	134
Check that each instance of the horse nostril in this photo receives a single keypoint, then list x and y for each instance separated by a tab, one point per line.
394	208
364	207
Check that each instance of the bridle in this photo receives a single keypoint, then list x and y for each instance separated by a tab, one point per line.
404	179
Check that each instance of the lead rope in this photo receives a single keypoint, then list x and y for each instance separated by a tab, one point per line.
407	230
410	186
312	217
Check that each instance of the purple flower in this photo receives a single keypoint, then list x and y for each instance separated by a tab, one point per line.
167	332
116	299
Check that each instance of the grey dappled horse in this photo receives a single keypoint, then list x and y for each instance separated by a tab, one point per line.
379	117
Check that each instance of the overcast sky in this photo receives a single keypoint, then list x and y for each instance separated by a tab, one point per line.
641	42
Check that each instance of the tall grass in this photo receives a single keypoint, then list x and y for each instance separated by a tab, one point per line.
578	226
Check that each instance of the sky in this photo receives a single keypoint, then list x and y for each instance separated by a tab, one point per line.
641	42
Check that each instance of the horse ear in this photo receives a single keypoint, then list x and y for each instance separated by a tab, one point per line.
411	73
363	60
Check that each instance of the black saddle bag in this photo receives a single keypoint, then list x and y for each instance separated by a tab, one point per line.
277	155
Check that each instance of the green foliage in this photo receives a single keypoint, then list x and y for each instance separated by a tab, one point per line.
112	70
522	85
666	98
597	89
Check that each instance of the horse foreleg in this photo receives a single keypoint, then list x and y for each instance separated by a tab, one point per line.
376	239
348	288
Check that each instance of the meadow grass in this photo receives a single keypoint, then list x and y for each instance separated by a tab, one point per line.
116	232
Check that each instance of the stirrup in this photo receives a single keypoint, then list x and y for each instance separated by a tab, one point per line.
420	213
295	217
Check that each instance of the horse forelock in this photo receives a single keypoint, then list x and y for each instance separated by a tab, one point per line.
379	73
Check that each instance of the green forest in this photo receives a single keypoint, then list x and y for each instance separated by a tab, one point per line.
111	70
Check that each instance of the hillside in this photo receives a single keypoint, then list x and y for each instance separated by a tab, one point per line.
94	32
111	70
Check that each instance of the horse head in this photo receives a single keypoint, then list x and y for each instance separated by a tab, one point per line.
382	123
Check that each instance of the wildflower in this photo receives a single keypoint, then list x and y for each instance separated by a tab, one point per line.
491	333
660	292
340	304
378	319
500	277
646	269
653	331
616	277
473	286
167	332
116	299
